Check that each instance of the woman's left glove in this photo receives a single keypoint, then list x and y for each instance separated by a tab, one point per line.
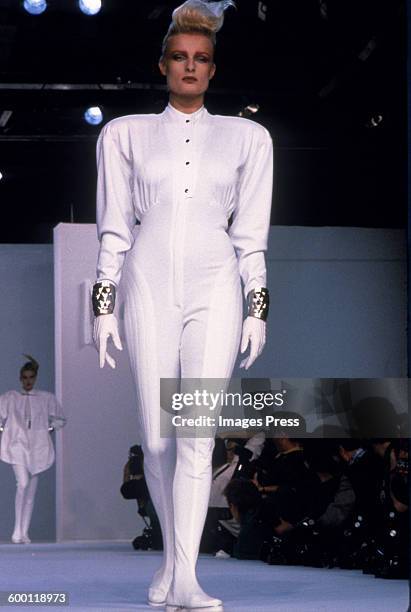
105	326
254	333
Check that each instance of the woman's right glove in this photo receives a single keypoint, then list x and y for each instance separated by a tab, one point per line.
105	323
105	326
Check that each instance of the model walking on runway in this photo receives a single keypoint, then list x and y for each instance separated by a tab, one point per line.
26	419
182	173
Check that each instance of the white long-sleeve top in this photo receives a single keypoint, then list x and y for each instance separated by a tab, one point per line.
26	418
221	163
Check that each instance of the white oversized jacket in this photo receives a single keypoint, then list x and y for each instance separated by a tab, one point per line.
26	418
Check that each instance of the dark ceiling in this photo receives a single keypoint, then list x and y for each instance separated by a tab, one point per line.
329	77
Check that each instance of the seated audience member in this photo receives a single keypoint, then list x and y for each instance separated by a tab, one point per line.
313	539
399	476
250	512
286	481
388	551
246	453
238	456
385	452
285	467
134	487
363	471
334	500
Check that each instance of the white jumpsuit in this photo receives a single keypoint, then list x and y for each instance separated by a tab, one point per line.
182	176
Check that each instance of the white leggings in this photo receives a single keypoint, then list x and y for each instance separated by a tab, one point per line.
25	494
190	333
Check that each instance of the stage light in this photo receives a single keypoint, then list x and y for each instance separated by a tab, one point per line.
90	7
35	7
93	115
249	110
323	9
262	11
253	108
1	175
374	121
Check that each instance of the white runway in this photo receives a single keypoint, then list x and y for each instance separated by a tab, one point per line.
102	576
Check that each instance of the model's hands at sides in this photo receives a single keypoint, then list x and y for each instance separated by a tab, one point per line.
254	334
105	326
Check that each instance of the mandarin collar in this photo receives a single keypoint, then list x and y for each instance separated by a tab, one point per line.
176	116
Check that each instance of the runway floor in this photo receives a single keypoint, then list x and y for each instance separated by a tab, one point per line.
102	576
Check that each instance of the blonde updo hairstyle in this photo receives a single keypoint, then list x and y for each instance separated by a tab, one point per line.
196	17
30	366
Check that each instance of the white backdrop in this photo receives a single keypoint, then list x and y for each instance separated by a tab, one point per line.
338	309
100	404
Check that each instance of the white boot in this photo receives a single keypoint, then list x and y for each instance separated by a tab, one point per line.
25	523
157	592
185	592
16	538
18	509
191	493
27	511
159	466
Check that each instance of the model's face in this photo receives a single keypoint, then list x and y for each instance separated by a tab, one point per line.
188	64
28	380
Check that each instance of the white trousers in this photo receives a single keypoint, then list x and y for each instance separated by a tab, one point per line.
24	501
180	322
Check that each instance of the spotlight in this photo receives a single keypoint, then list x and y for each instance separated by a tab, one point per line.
35	7
249	110
374	121
323	9
252	108
262	11
93	115
1	175
90	7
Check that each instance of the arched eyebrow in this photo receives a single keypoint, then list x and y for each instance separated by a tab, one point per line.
185	52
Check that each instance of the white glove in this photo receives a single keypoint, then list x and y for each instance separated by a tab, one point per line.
254	333
104	327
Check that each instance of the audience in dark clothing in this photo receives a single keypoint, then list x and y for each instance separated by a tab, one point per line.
324	503
314	501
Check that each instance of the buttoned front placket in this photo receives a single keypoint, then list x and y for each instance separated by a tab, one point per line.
185	150
188	137
27	410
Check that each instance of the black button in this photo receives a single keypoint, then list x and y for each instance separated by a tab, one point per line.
187	163
186	190
187	120
188	140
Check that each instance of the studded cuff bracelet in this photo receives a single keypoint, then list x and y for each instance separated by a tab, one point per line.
103	298
258	302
